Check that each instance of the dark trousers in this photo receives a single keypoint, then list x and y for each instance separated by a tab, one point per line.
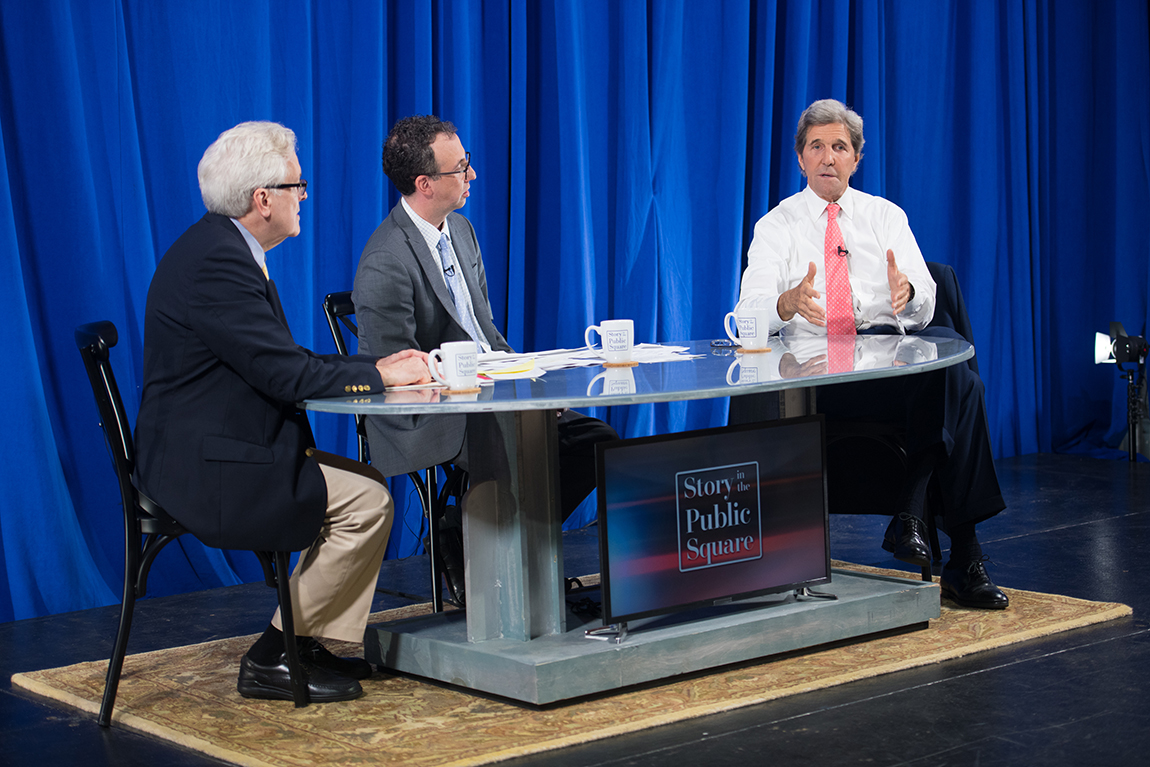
944	412
578	435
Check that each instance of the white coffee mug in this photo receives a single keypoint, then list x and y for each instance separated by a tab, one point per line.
753	368
753	326
615	381
618	338
454	364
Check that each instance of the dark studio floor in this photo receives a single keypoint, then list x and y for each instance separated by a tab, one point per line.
1074	526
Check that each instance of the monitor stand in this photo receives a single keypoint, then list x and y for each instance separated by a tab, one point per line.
616	631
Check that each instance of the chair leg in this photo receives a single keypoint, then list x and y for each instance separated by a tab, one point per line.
119	650
935	549
291	650
434	517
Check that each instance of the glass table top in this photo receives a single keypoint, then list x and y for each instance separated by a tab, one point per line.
796	361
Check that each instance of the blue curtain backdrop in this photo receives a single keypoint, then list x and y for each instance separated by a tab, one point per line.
624	150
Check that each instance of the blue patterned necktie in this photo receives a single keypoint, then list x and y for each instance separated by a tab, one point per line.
459	293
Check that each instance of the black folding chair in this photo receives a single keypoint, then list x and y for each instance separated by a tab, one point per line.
339	309
148	528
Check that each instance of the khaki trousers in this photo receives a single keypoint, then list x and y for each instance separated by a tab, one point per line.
334	581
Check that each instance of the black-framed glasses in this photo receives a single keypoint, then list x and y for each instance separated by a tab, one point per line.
301	185
466	167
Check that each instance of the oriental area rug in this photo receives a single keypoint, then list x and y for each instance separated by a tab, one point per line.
187	695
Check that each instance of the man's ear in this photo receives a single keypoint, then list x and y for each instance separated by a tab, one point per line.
801	168
262	202
423	186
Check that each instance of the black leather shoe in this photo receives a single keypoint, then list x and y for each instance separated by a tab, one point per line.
970	586
274	682
316	654
906	539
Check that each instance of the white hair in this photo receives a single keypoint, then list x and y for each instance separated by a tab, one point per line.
245	158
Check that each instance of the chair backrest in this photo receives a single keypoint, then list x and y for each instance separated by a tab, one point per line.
94	340
949	308
141	514
339	307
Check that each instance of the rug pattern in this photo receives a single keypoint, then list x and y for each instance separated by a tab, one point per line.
188	695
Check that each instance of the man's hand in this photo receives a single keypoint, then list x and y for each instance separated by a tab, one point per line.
790	367
899	284
410	396
800	300
406	367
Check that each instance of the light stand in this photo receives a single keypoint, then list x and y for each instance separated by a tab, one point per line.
1122	349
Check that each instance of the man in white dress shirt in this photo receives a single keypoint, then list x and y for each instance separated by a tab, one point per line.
836	262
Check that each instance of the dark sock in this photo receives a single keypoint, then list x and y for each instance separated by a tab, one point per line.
964	547
268	648
918	475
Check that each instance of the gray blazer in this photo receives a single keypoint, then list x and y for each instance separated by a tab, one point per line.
401	302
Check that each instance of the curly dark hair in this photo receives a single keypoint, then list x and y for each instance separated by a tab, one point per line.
407	152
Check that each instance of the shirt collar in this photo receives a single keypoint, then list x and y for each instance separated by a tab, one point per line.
253	244
427	229
817	205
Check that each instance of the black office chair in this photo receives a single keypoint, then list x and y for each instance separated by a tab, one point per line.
148	528
435	498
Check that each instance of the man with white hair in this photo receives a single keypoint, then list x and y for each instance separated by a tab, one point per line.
836	262
221	445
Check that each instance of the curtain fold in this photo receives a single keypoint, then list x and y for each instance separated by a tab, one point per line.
624	150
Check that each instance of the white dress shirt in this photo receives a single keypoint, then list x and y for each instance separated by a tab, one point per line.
792	235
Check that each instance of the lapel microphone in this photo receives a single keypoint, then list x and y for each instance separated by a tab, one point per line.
843	252
450	270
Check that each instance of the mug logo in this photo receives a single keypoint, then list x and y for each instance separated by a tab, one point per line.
616	341
748	327
465	364
719	516
620	386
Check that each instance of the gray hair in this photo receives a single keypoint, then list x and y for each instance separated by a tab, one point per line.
828	112
245	158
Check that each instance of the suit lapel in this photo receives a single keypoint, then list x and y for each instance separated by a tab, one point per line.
274	300
427	261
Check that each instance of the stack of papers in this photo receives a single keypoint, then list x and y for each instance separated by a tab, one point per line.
506	366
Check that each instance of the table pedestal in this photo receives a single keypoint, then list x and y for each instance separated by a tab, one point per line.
517	638
568	665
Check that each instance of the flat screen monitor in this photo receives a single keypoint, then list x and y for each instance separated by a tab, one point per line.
707	517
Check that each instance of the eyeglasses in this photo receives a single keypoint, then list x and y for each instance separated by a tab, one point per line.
301	185
466	167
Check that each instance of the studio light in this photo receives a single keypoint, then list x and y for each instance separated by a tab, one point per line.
1123	349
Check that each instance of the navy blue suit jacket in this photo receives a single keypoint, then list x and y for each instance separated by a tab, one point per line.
220	443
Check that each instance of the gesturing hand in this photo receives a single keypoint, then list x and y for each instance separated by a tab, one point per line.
899	284
800	300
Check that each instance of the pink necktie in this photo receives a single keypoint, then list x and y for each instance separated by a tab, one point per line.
840	308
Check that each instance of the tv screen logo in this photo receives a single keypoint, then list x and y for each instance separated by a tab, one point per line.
719	516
